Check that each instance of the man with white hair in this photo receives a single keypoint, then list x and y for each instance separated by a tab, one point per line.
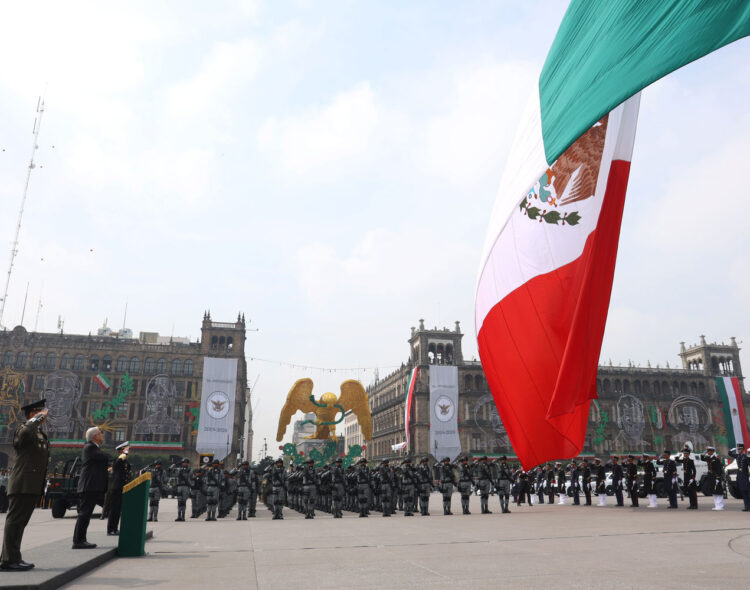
92	484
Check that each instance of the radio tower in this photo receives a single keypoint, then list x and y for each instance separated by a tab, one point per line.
14	245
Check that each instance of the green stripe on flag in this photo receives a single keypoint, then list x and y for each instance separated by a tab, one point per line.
727	411
605	52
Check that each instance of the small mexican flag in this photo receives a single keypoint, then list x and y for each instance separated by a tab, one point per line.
103	382
734	412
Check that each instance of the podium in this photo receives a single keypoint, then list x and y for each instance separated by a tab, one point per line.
132	542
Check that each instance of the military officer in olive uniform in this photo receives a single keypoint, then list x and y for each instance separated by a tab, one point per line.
122	473
503	483
26	484
184	474
484	478
465	483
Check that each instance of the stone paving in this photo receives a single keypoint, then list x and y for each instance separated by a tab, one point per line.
534	547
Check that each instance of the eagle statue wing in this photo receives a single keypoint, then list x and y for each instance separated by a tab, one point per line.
354	397
297	399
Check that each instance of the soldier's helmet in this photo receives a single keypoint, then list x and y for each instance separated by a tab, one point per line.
385	462
445	460
279	460
407	460
245	464
425	460
362	460
157	462
185	460
339	460
464	459
503	458
483	458
309	461
215	462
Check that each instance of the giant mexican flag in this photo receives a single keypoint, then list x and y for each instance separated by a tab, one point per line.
734	411
549	258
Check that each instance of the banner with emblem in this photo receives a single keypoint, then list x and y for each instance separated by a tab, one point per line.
216	419
444	439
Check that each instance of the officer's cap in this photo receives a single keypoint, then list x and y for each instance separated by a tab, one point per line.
597	460
631	457
666	452
710	449
122	445
615	458
686	450
27	409
558	464
585	460
740	445
245	464
503	458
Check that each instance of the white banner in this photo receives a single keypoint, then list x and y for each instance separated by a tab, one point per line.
444	439
216	421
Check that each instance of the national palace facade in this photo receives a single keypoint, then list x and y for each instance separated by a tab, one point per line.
146	390
639	408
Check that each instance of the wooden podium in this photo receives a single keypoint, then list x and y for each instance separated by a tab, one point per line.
133	520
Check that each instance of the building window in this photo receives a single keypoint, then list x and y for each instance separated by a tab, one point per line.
149	366
177	412
36	362
94	407
51	361
122	364
187	368
65	361
78	363
180	387
176	367
94	363
8	359
21	360
107	363
161	366
135	365
94	388
122	410
119	434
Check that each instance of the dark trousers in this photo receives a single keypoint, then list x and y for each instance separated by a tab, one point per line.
19	512
634	494
3	499
115	507
672	495
619	496
587	493
746	497
89	500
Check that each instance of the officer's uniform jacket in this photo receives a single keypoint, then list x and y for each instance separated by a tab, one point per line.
32	456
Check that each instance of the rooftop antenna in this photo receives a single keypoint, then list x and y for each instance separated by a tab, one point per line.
14	245
125	317
39	308
60	323
25	298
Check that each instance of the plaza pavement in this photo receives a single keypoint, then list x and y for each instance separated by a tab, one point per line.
534	547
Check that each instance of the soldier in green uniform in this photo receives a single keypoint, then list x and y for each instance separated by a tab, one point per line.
26	484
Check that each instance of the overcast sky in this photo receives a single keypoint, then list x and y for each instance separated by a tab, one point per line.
328	168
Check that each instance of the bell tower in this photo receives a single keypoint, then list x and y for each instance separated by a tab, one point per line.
223	338
713	360
436	346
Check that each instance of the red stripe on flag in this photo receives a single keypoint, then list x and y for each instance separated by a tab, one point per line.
540	345
741	411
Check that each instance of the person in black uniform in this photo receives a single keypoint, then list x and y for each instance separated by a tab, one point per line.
586	480
386	487
600	478
92	484
184	475
688	478
550	483
574	483
465	483
716	473
649	474
617	476
424	475
631	479
670	478
26	484
743	478
447	483
121	474
560	483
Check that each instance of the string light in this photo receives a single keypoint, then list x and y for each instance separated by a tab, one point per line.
329	369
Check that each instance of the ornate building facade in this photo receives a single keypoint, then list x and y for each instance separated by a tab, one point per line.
146	390
638	408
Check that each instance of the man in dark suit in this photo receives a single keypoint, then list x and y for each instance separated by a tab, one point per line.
26	484
743	477
92	485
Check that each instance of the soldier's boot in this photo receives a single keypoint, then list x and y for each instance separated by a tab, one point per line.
446	508
156	513
465	505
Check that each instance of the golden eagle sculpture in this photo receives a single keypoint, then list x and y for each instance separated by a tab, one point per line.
300	398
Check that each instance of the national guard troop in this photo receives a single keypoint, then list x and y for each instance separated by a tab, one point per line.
213	481
409	487
227	493
26	484
309	488
338	488
617	476
158	487
739	454
122	473
574	489
465	483
649	475
560	476
197	496
277	479
689	473
631	479
363	488
424	476
539	484
244	485
716	473
503	482
184	475
447	482
351	489
484	482
670	478
254	492
586	480
398	499
387	478
600	479
325	486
